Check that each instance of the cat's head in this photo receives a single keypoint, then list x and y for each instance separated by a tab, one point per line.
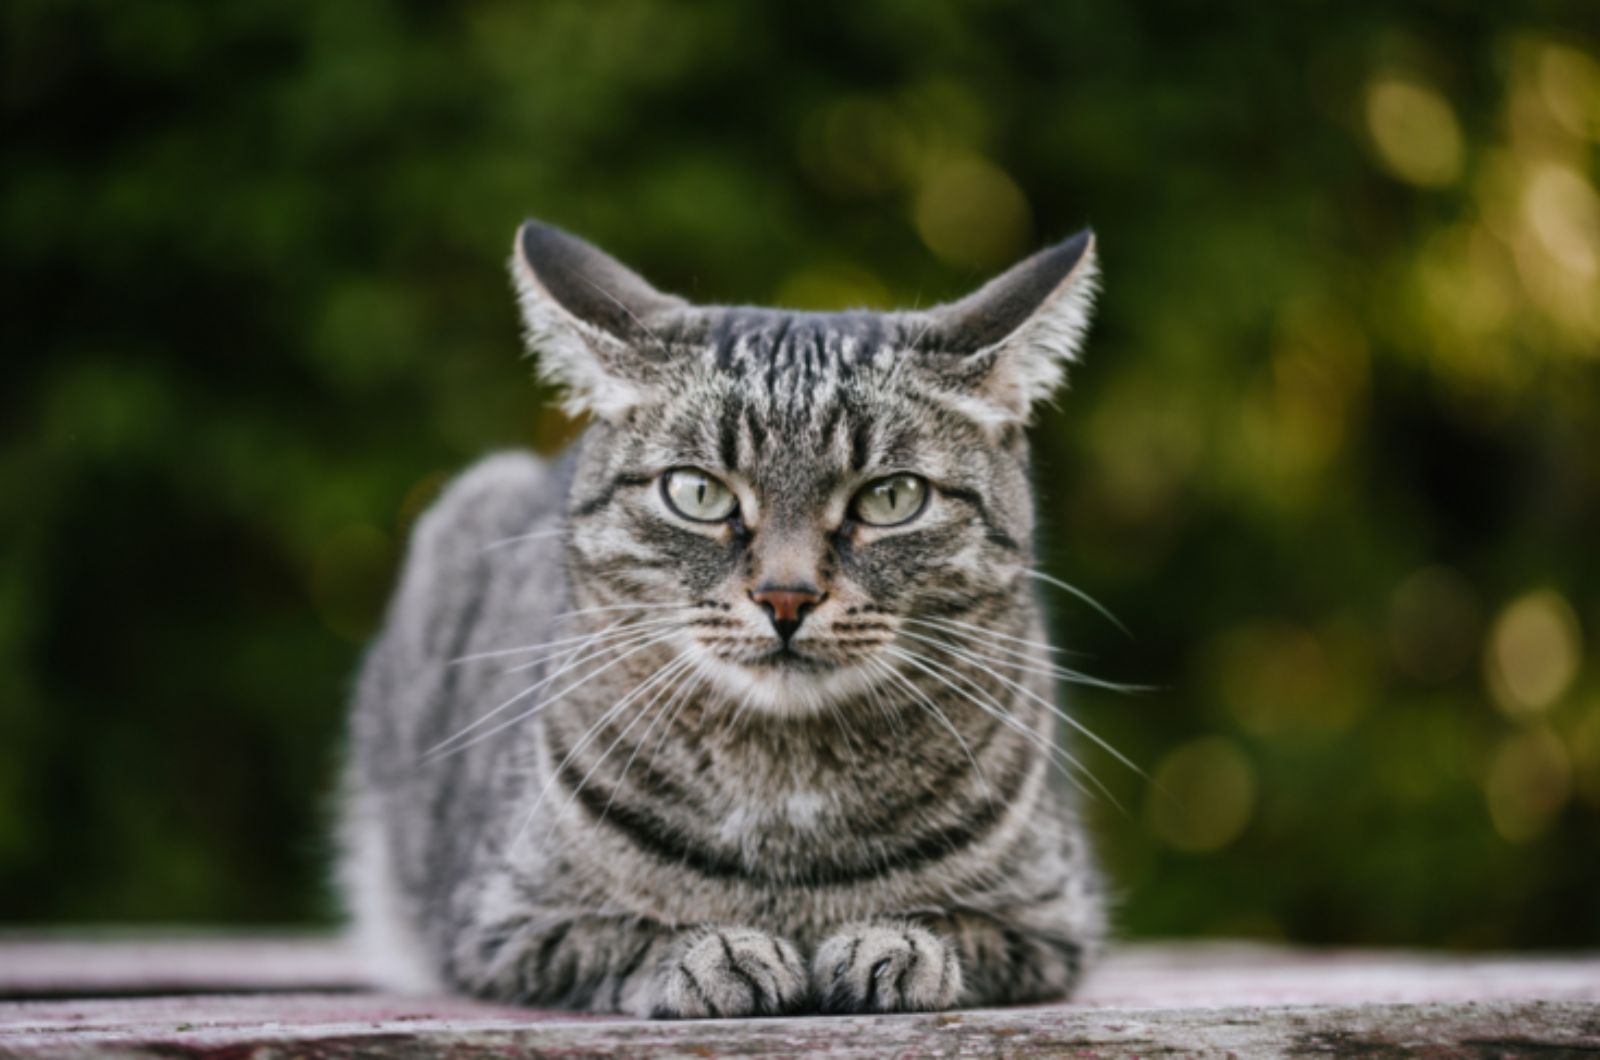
791	499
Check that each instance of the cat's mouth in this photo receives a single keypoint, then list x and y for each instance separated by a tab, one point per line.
786	657
787	681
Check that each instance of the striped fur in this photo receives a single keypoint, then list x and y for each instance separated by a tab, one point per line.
667	819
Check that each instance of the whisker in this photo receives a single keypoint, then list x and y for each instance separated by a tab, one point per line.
621	640
999	713
1105	612
569	658
985	662
668	709
624	607
500	653
652	639
678	710
877	698
840	719
744	705
661	680
621	633
1058	713
922	700
538	535
1033	665
947	623
614	711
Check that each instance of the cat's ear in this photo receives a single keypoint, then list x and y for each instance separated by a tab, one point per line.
1006	346
588	319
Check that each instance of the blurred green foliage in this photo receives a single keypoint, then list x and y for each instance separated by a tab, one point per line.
1334	455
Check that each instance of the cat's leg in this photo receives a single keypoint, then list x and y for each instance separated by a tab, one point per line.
886	966
584	962
1008	962
638	966
941	962
722	972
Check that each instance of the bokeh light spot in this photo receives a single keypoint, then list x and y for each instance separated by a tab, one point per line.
1569	81
1468	292
969	212
1414	130
1277	678
1202	795
858	146
1534	652
1529	781
1564	214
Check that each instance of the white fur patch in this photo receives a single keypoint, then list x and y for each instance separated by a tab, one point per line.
786	693
380	930
739	820
803	808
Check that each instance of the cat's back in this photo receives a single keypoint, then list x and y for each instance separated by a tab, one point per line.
501	515
483	571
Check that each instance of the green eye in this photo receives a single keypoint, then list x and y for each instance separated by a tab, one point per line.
695	495
890	501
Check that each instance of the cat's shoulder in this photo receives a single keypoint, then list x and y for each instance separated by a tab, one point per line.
502	495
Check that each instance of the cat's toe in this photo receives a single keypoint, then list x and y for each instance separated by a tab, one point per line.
885	967
728	972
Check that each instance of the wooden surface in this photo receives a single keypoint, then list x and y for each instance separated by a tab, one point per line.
200	996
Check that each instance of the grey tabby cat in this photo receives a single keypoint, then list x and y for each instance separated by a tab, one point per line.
743	707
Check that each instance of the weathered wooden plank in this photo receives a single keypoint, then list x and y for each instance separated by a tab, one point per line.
215	1026
1145	1000
48	965
1171	974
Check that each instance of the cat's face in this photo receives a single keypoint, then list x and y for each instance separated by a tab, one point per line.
792	498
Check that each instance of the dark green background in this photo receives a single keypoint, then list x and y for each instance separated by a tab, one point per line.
1333	456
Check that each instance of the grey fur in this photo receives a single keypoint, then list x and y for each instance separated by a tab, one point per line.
667	819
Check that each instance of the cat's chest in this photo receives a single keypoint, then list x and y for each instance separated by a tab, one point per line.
785	795
795	811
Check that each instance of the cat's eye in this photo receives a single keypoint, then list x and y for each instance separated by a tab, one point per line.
696	495
890	501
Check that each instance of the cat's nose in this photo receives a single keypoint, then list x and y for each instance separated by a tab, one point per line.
787	605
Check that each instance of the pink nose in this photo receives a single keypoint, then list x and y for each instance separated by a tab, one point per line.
787	607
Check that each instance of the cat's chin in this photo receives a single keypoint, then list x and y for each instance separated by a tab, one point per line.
788	684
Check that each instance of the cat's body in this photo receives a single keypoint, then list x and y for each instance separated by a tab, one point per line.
791	757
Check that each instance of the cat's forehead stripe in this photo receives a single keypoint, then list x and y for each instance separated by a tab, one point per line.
788	351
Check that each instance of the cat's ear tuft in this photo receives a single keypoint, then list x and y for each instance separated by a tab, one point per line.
1007	345
588	319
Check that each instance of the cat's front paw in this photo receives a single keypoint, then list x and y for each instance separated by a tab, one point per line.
885	967
725	972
